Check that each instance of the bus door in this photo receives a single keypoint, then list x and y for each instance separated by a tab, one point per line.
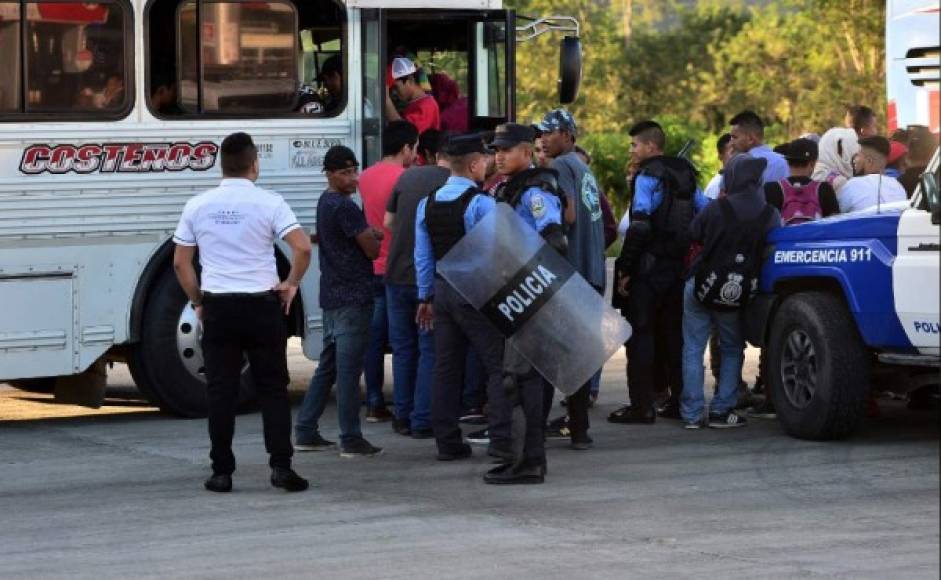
467	60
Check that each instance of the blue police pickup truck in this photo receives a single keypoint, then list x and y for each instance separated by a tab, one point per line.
850	304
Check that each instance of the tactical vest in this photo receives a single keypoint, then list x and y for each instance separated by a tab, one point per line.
445	220
670	221
512	191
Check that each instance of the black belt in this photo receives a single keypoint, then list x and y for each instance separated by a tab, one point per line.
264	294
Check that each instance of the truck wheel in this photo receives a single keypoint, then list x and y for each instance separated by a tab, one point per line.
167	363
818	367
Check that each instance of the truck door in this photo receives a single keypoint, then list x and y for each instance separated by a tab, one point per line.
473	48
917	269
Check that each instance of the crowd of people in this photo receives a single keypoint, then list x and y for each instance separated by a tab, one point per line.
688	262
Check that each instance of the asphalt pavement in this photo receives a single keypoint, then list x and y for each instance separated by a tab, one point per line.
117	493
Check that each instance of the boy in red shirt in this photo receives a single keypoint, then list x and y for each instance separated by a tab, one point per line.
421	109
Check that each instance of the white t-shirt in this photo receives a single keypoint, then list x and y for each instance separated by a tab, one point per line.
715	185
235	226
863	192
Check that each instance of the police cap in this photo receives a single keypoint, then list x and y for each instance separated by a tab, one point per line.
465	145
512	134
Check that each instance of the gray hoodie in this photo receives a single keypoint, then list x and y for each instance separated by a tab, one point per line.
743	187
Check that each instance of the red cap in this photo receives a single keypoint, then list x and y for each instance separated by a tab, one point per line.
896	151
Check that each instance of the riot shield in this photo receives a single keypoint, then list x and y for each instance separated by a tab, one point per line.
537	300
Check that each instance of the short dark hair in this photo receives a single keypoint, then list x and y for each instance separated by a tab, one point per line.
432	142
723	142
462	163
861	116
238	154
749	121
649	132
398	135
877	143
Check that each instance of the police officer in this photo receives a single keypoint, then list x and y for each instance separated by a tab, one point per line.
442	219
649	271
534	194
242	303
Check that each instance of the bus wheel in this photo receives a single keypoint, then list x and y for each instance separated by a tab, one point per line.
817	367
167	363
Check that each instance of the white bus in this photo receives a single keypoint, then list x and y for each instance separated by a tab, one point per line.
111	115
913	63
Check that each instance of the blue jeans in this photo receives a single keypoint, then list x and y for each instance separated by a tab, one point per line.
345	335
697	324
413	358
375	362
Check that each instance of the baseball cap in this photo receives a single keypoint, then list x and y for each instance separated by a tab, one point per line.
800	150
465	144
339	158
557	120
512	134
402	67
896	151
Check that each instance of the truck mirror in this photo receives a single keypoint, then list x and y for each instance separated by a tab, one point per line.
932	195
570	69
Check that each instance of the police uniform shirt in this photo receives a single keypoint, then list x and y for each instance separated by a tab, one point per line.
539	209
478	207
235	226
648	195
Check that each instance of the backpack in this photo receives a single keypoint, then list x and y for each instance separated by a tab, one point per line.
727	276
800	203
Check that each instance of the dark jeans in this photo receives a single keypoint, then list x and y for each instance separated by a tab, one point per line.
458	325
656	317
254	326
374	364
345	336
413	358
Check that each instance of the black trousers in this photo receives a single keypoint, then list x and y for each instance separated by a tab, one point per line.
656	345
578	405
530	445
253	325
457	325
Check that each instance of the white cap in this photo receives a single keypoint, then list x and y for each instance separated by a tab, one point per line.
402	67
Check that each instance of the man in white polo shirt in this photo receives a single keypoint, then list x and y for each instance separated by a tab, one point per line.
241	303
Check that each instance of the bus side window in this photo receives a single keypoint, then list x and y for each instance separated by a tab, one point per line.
75	59
233	58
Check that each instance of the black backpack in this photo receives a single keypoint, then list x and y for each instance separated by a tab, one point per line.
727	276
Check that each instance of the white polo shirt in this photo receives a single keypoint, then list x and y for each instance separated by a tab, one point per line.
235	226
869	190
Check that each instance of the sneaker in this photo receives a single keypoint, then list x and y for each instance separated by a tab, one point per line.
669	410
763	411
726	421
473	416
315	443
360	448
462	453
583	443
558	428
379	415
401	427
288	480
697	424
633	416
481	437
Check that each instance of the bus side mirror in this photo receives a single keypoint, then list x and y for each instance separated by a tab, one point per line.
570	69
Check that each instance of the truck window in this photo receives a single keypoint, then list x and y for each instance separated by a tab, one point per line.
238	58
70	58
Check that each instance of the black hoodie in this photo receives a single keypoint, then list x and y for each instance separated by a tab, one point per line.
743	187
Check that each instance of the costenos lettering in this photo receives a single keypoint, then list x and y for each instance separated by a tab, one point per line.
118	158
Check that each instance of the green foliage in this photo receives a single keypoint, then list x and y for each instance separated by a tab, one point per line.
795	62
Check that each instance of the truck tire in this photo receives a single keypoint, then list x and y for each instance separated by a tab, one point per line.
167	362
818	368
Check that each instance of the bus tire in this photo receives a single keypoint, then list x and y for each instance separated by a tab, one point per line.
818	368
166	362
